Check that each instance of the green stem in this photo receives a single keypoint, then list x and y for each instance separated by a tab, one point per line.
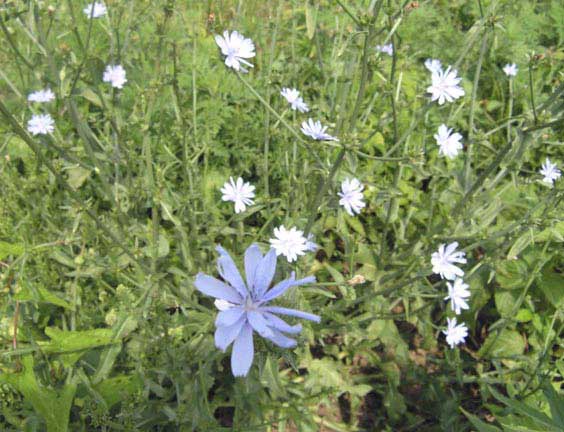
470	145
531	91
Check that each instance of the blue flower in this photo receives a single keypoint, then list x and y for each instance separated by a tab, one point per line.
247	308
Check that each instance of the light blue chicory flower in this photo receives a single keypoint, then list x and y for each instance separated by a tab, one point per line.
247	308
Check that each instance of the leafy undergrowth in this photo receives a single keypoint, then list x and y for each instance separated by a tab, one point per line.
105	222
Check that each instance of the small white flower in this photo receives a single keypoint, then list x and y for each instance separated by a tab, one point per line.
386	49
510	69
311	246
351	196
455	334
240	193
448	142
445	86
293	97
433	65
236	48
41	124
115	75
222	305
99	10
550	172
289	243
458	293
443	260
315	130
41	96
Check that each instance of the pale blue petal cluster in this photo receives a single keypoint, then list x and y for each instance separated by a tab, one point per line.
249	310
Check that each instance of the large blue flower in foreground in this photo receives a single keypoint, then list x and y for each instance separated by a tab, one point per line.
246	307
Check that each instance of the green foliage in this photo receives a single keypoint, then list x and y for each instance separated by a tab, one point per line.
105	223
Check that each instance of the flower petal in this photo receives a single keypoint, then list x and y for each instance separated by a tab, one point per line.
282	341
291	312
225	335
228	271
259	324
279	324
253	257
265	272
243	352
229	317
281	287
215	288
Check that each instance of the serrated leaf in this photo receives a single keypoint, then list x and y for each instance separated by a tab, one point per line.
52	405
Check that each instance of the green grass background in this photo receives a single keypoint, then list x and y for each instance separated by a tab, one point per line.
104	225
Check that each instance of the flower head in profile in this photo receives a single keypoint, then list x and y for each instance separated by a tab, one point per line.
294	99
41	96
444	86
41	124
95	10
455	334
448	142
236	48
443	261
433	65
458	293
351	196
115	75
315	130
510	69
244	308
239	192
289	242
550	172
311	246
386	49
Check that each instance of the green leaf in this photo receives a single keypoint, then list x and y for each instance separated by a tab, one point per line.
119	388
13	249
507	343
537	417
40	295
552	286
51	404
70	341
556	403
524	315
511	274
479	424
77	176
505	302
92	97
271	378
311	18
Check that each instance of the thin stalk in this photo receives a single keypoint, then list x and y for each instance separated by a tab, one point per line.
470	145
531	91
13	45
397	174
510	109
21	132
266	146
322	190
349	12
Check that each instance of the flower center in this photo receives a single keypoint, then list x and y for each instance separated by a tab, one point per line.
250	305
